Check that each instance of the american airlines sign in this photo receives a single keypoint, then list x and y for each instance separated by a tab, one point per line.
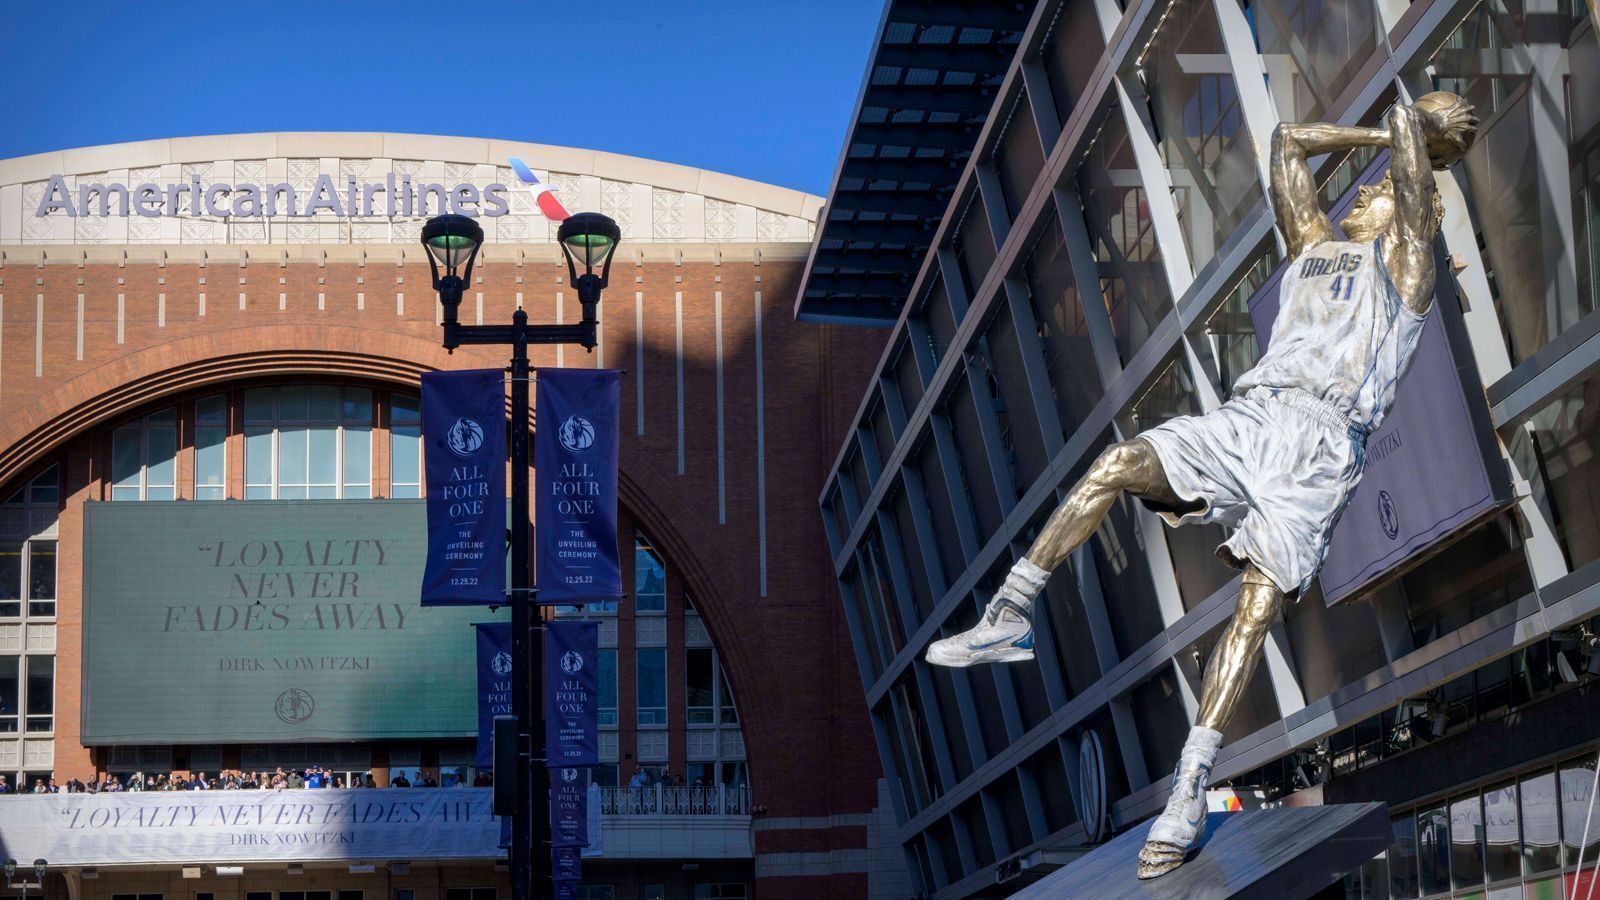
394	196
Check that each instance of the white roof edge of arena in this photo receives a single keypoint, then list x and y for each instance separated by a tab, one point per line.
496	253
393	145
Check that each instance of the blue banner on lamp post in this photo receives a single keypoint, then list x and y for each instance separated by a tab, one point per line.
571	717
494	684
569	807
464	455
575	486
566	864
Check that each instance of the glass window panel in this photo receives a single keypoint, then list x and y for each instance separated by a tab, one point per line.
161	463
405	409
210	464
1502	841
1133	282
1577	783
1311	50
125	456
41	692
1072	47
405	461
1433	850
973	245
292	443
323	401
1514	204
46	487
1194	547
877	595
258	458
908	380
357	458
1478	573
294	403
168	416
10	693
1403	859
910	555
357	406
649	578
1466	842
1200	128
652	685
608	687
322	492
258	405
730	712
1120	554
1559	447
292	492
963	412
324	454
10	578
999	356
1324	666
930	472
1159	715
1540	825
212	409
940	321
1019	156
41	570
1228	348
699	686
1063	332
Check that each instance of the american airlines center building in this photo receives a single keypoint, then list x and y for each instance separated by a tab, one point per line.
210	534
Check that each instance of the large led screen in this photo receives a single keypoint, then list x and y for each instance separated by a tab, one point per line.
265	621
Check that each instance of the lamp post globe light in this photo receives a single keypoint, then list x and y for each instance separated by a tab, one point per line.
588	240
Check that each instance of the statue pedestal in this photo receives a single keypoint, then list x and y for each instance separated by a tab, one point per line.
1281	854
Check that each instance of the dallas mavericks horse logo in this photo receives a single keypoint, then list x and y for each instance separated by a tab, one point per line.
464	437
572	663
577	433
501	664
294	706
1388	516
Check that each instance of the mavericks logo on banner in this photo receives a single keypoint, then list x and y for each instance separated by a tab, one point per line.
575	472
569	807
571	718
464	451
494	684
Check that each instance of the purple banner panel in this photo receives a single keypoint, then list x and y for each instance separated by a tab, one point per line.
566	864
1426	474
571	717
575	487
569	807
494	684
567	890
464	456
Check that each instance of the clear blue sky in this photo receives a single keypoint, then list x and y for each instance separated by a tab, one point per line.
761	89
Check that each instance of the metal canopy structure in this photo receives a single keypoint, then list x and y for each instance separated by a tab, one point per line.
928	88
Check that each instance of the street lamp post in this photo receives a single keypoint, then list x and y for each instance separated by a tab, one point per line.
39	868
588	240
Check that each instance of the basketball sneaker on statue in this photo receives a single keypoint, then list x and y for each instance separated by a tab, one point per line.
1005	633
1183	823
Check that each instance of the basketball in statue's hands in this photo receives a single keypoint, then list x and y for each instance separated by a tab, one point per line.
1454	126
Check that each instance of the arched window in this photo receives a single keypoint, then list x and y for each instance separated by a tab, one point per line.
307	442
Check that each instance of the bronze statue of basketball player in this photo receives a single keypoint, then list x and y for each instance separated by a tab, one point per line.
1277	462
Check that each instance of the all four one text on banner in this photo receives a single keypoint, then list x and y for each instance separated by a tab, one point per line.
574	487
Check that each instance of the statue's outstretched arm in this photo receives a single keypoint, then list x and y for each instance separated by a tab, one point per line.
1294	189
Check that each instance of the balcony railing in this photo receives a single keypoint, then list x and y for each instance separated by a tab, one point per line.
658	800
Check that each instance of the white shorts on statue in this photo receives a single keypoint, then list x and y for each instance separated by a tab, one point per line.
1276	465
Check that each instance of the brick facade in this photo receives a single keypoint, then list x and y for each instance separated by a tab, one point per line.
89	336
